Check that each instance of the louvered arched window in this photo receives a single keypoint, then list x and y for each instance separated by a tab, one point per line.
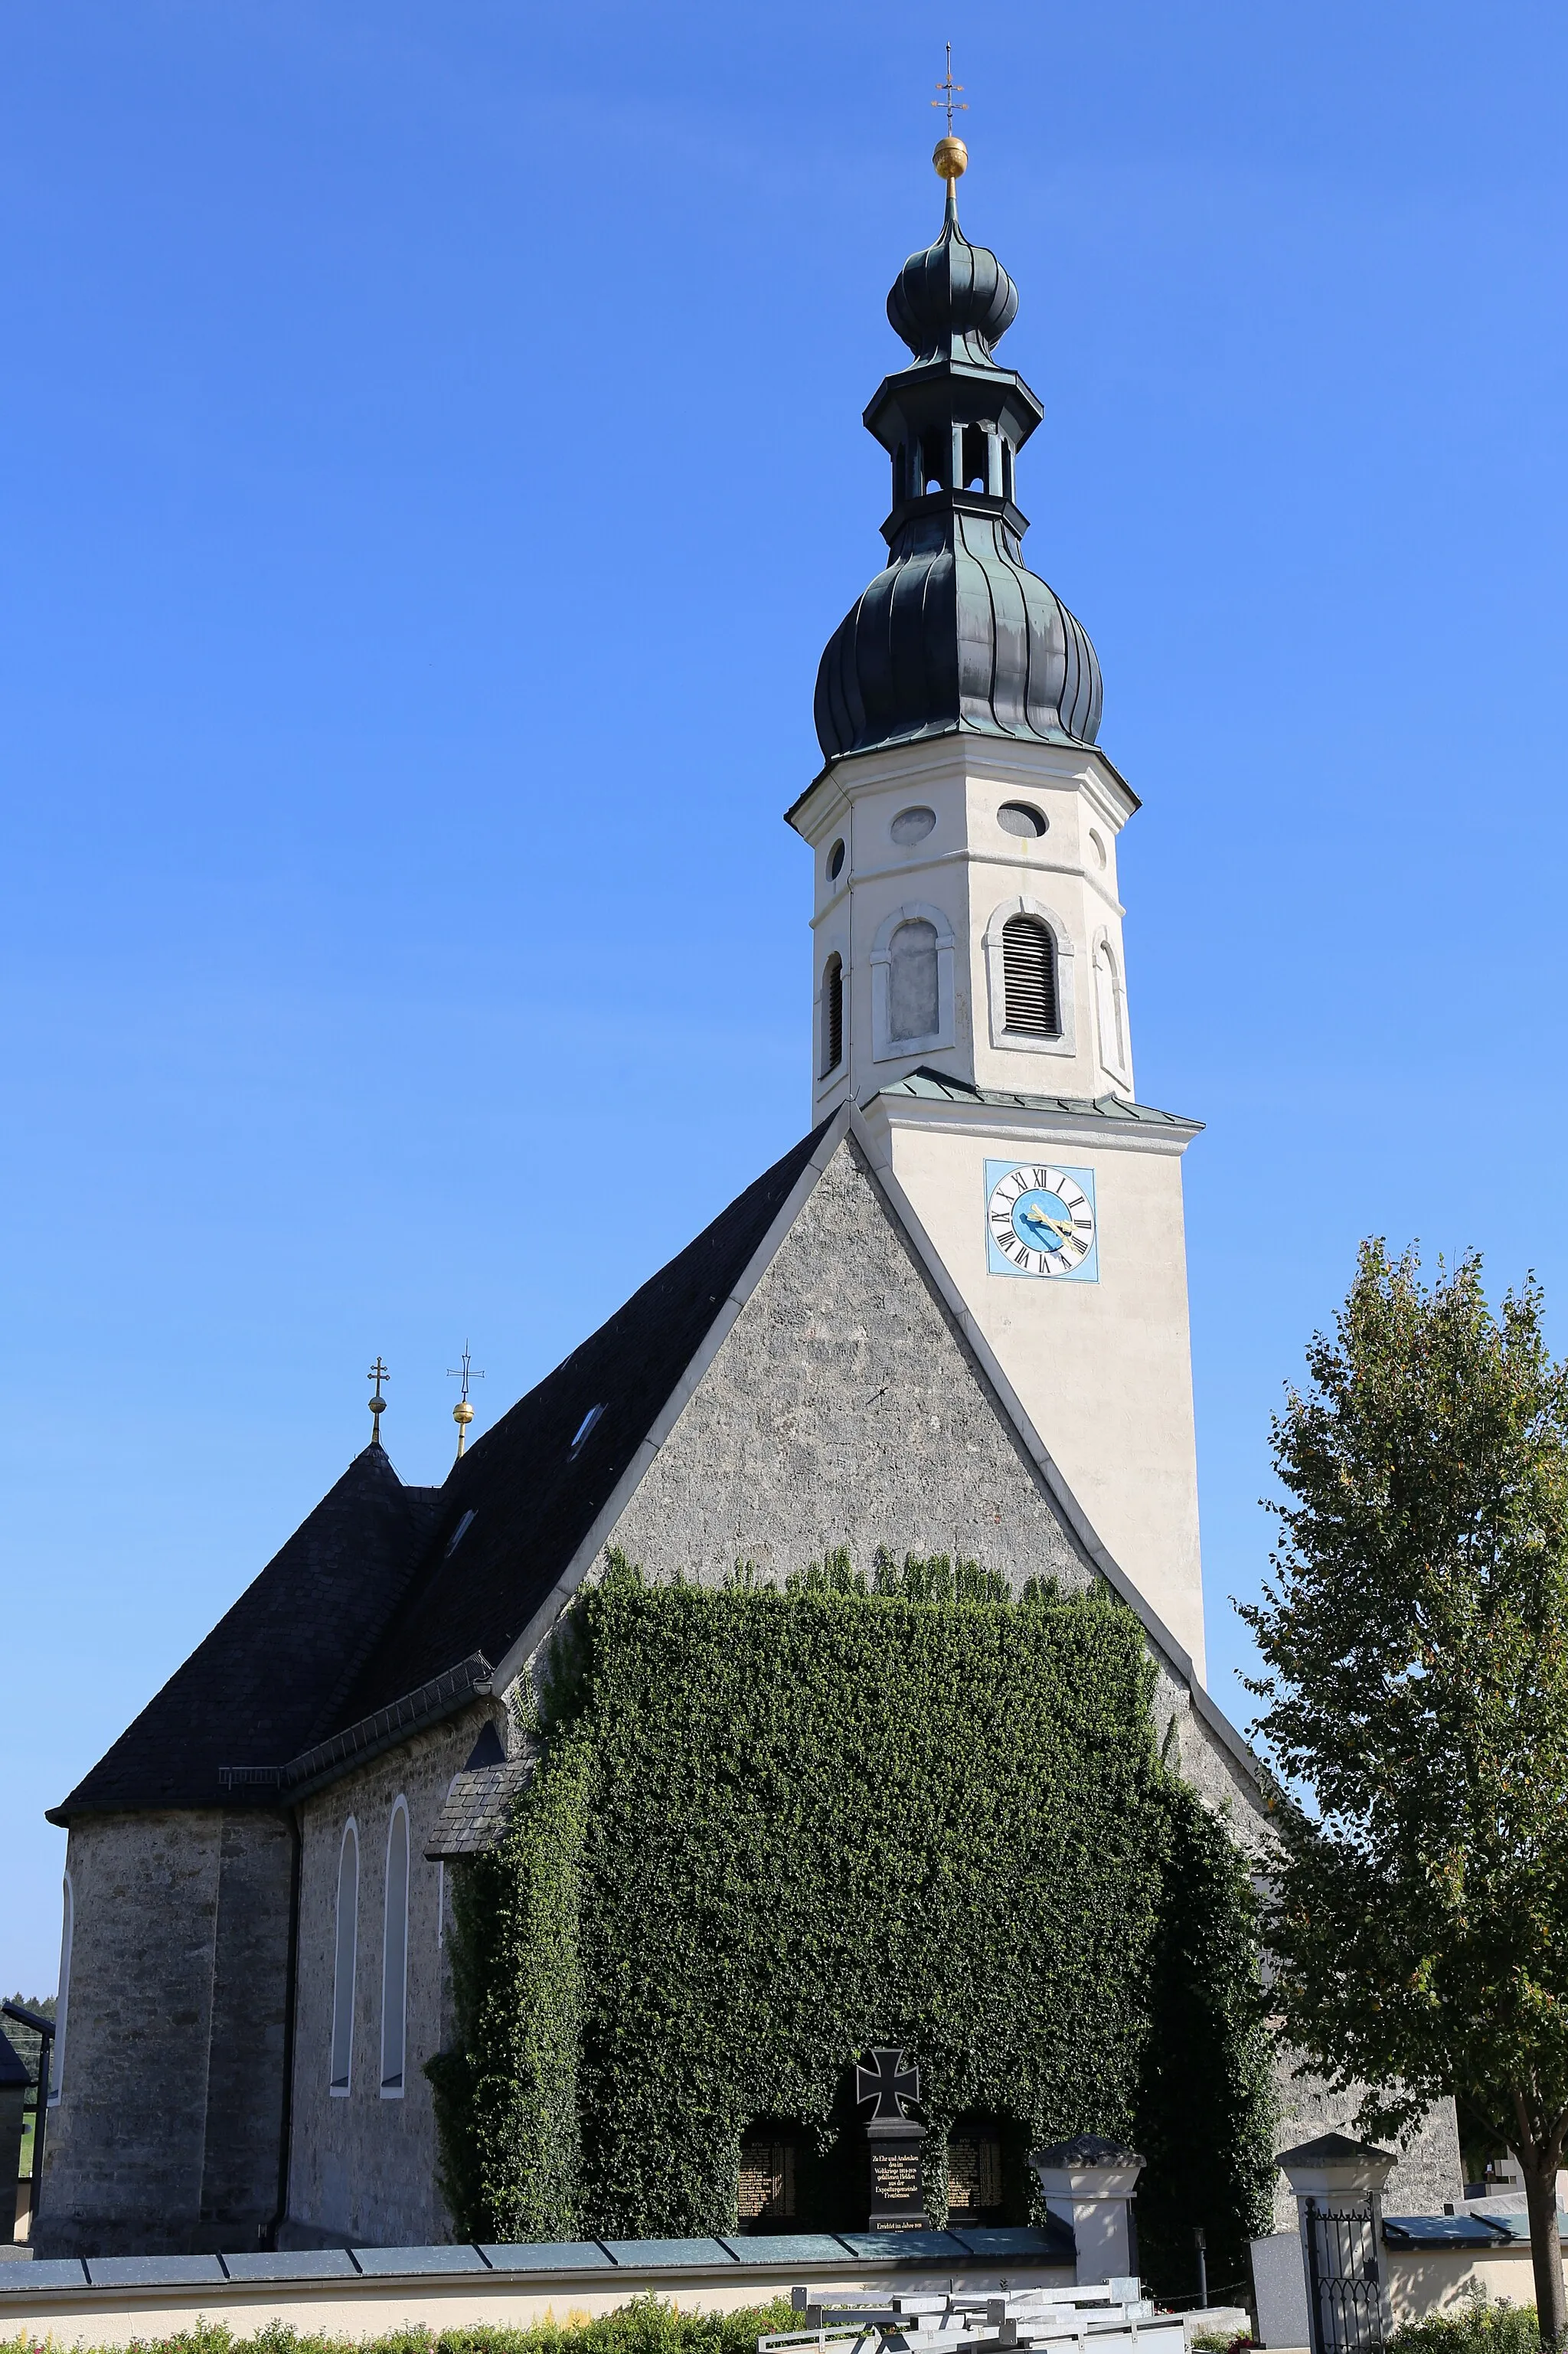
1029	978
832	1014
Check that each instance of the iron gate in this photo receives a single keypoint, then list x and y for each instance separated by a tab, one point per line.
1344	2291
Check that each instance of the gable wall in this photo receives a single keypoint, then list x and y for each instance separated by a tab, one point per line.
843	1408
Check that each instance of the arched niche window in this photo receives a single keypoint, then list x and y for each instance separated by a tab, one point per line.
395	1955
912	1005
832	1014
345	1955
62	1997
1111	1011
1029	973
911	981
1029	978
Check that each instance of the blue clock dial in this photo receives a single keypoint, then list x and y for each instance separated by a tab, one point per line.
1041	1221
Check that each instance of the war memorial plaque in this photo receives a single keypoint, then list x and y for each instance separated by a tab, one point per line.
895	2139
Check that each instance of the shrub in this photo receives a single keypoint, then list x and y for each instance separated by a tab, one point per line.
646	2325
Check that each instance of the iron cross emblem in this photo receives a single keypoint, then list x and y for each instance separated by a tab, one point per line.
889	2081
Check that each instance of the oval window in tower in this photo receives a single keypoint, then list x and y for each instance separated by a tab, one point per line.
835	862
1022	819
912	825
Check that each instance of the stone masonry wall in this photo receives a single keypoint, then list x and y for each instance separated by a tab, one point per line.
362	2167
844	1407
242	2160
163	2141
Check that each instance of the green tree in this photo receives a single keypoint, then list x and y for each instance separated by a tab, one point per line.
1416	1640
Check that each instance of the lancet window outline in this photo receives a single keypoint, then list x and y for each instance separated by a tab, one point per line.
395	1954
346	1962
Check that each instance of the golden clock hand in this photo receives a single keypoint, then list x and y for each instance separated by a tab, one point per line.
1039	1218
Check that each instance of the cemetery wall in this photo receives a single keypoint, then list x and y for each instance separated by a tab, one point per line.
362	2166
167	2131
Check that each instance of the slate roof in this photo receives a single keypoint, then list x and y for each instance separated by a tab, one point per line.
475	1810
939	1086
270	1676
388	1592
533	1494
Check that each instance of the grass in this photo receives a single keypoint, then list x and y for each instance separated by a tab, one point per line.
645	2326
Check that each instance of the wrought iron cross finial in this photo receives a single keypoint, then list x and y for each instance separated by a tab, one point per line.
950	89
375	1376
463	1413
890	2080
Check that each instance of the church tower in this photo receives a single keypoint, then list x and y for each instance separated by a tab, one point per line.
969	971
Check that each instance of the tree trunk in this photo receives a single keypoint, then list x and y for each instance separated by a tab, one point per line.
1539	2167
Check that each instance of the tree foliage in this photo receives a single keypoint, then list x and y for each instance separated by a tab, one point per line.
1415	1639
771	1828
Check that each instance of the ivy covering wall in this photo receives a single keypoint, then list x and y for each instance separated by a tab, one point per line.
771	1828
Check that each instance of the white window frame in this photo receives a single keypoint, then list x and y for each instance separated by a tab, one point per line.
340	2086
392	2085
886	1049
1116	1056
1016	1041
62	1991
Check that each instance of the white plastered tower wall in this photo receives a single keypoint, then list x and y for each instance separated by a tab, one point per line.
1102	1367
967	875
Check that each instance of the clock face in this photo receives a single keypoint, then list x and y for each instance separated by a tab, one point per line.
1040	1220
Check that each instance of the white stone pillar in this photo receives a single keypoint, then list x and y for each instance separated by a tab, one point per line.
1090	2183
1338	2183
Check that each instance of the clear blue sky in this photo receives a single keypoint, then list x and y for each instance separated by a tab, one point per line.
430	469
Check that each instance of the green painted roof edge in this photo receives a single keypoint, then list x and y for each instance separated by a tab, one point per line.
935	1087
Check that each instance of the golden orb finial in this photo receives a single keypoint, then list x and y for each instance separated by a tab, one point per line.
463	1413
950	157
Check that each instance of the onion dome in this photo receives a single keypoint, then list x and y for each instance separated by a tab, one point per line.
955	300
957	634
